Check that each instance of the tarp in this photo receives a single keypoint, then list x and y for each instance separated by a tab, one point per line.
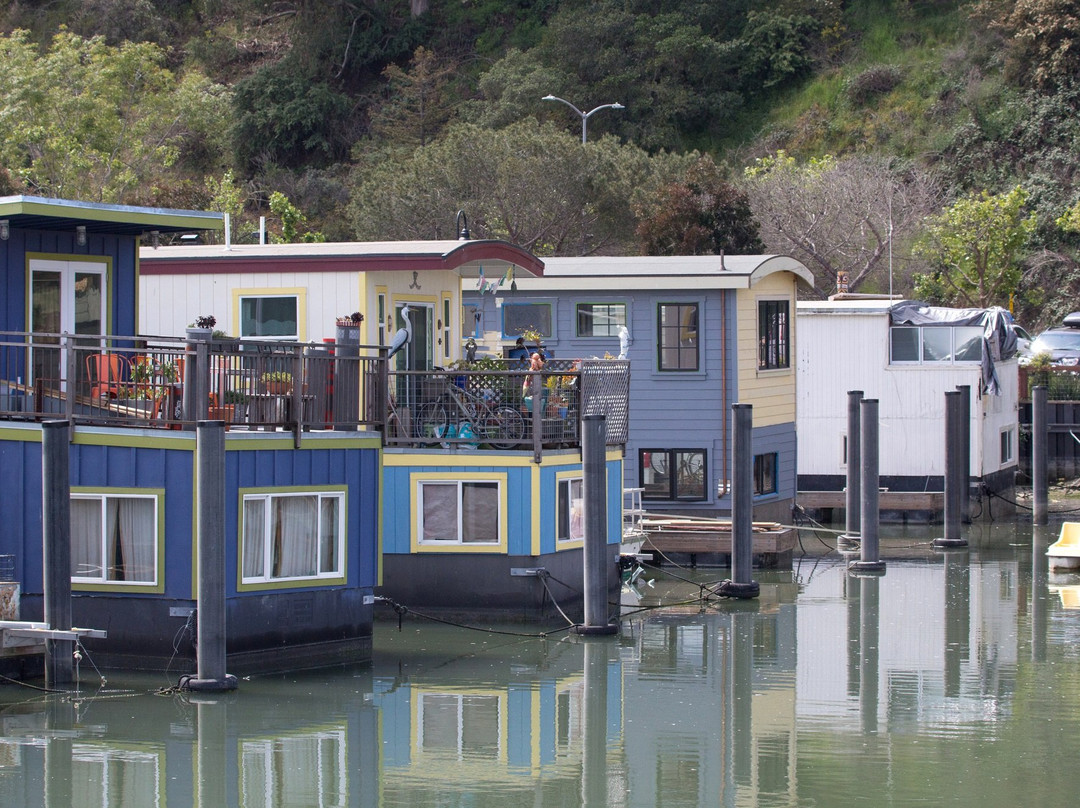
999	340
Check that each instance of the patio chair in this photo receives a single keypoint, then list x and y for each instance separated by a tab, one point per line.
107	374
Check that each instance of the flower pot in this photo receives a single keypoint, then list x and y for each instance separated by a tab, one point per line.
278	388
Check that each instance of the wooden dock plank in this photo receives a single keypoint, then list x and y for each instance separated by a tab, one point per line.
887	500
773	542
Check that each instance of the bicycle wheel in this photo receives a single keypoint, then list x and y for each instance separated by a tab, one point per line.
503	428
431	420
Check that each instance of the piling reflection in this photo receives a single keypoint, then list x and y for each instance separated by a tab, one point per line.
830	688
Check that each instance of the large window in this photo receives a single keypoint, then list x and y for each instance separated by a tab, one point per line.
934	344
570	514
269	316
600	319
293	536
521	317
764	474
774	334
305	769
459	512
677	336
673	473
114	539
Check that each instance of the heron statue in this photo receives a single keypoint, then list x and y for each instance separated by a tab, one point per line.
624	342
403	336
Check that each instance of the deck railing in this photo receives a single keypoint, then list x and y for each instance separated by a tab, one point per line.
170	383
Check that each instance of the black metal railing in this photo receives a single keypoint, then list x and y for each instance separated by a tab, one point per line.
170	383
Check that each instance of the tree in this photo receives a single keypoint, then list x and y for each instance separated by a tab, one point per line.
1044	38
974	247
838	216
698	214
417	104
88	121
534	185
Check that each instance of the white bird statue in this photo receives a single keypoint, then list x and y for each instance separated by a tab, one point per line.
624	342
403	336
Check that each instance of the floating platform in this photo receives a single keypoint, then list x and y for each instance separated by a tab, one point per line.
708	541
887	500
1064	554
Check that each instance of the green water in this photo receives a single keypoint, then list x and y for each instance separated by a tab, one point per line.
953	679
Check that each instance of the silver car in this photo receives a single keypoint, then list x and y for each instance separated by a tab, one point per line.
1061	342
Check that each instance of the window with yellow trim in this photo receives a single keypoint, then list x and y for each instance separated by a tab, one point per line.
570	513
459	512
114	539
270	316
293	536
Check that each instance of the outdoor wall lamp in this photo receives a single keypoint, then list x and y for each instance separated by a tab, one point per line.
80	235
462	225
5	230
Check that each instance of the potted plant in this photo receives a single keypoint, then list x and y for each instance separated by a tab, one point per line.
202	328
277	382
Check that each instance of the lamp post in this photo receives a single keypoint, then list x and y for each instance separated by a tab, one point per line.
583	115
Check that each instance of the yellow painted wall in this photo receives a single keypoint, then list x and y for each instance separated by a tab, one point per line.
771	392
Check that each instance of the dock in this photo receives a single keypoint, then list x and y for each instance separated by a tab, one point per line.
708	541
887	500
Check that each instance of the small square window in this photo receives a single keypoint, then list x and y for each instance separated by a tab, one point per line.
673	474
521	317
270	316
459	512
764	474
600	319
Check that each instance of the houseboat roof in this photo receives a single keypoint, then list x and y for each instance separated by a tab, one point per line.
467	257
668	272
42	213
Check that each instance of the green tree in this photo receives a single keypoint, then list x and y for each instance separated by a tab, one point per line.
416	104
292	220
699	214
974	247
534	185
85	120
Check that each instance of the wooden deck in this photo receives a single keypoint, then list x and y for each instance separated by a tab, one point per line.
887	500
772	544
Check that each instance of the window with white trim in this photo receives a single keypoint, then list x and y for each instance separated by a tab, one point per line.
600	319
293	536
1006	446
270	316
459	512
570	510
460	724
935	344
114	538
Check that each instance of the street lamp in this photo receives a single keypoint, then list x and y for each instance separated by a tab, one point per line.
584	115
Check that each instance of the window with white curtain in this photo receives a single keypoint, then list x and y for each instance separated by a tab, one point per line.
570	510
293	536
114	538
459	512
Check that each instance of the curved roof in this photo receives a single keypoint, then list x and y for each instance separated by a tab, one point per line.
464	256
671	272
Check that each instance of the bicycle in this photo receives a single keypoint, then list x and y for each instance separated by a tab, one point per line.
498	425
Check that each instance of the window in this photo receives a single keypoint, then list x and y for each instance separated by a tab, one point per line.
470	321
293	536
1006	446
673	474
270	316
764	474
600	319
446	331
774	332
460	724
521	317
934	344
114	539
380	306
677	336
459	512
570	516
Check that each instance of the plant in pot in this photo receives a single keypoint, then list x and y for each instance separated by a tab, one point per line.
202	328
277	382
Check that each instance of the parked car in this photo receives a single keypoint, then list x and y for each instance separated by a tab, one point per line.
1061	342
1023	342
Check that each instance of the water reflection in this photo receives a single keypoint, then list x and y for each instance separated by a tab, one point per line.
941	681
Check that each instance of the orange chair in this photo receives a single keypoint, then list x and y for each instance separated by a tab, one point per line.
107	374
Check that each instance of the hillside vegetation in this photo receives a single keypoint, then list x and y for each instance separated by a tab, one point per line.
925	147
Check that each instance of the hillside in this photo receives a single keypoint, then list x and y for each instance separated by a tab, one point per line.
326	103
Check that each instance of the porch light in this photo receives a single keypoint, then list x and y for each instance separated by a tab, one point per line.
80	235
5	230
462	226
